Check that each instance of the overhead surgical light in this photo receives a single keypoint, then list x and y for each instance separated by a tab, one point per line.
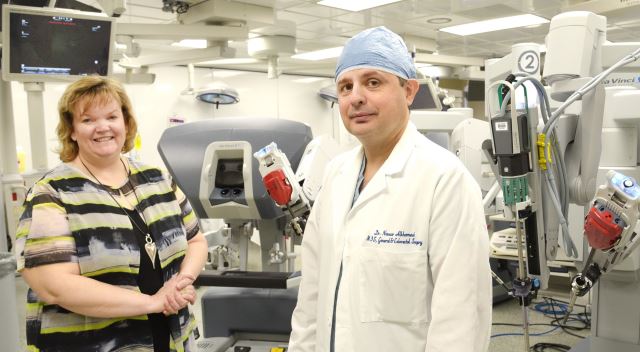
329	93
217	93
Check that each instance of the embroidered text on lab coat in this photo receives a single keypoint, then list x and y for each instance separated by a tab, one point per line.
400	237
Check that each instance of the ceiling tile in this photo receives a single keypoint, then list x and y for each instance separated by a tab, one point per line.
313	9
328	27
407	10
148	12
294	17
316	26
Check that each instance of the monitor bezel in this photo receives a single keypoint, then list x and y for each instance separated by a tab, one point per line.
7	10
431	86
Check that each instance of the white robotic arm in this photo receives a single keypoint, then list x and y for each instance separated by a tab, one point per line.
609	228
295	192
282	185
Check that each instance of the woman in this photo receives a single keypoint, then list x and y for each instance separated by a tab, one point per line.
109	246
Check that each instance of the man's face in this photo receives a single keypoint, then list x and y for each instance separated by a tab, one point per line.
374	104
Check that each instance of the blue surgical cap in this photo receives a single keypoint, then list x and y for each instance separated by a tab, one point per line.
377	48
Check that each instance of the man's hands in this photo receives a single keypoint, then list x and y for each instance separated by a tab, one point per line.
175	294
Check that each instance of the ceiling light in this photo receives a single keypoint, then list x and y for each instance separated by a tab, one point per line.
237	61
309	79
319	54
495	24
191	43
439	20
355	5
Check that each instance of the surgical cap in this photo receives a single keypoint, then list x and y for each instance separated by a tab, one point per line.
377	48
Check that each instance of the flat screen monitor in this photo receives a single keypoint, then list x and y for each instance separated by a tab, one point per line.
50	44
427	97
475	91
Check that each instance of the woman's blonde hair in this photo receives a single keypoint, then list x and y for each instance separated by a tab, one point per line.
78	96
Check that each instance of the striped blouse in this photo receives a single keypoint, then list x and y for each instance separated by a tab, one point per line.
67	217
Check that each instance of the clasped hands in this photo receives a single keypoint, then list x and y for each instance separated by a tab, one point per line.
177	293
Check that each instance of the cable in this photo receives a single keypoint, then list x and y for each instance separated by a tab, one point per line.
590	85
577	318
545	346
551	308
514	324
558	191
520	334
562	301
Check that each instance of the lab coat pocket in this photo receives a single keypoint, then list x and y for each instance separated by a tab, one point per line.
393	286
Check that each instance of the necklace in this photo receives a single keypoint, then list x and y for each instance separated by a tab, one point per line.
149	246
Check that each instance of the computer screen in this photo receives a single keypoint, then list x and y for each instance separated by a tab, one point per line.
47	44
475	91
427	97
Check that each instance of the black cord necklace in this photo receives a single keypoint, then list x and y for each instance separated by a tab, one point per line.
149	246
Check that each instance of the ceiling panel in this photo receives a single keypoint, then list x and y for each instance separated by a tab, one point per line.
328	27
149	12
407	10
317	27
440	21
297	18
313	9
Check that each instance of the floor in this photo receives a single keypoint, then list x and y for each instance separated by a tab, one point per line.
506	338
509	338
507	317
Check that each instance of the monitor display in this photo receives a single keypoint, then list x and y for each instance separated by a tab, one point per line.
427	97
475	91
45	44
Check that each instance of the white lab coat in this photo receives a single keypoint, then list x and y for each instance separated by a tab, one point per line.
414	251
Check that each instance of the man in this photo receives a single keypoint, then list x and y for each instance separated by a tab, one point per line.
395	256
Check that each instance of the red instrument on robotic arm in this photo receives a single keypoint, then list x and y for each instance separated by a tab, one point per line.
282	185
609	228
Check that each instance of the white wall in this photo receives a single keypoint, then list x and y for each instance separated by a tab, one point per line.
288	97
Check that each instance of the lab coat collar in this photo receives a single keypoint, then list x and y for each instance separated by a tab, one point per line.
400	154
394	165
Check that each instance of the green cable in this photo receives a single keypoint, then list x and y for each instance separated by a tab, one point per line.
526	99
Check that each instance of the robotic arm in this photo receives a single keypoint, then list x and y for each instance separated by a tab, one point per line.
609	228
296	192
282	185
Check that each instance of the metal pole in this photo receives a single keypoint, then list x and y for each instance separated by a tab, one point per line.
522	277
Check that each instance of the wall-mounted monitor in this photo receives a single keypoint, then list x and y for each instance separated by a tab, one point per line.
427	96
475	91
50	44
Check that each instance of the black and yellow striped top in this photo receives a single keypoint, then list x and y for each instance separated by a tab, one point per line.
67	217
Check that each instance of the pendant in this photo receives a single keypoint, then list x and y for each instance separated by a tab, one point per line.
151	250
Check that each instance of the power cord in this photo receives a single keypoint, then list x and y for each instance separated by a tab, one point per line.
554	309
545	346
576	321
